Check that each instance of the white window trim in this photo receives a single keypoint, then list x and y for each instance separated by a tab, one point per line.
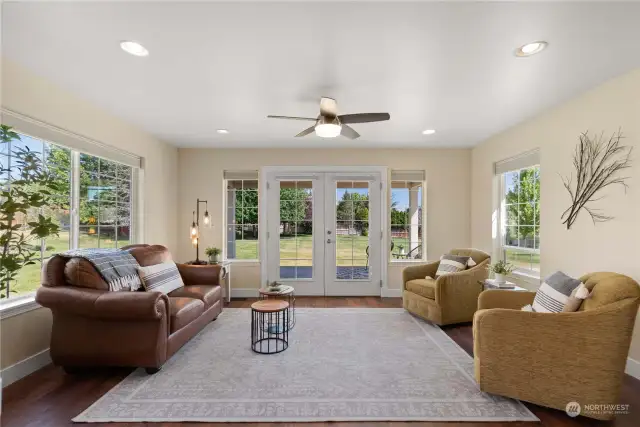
34	128
424	226
225	192
525	274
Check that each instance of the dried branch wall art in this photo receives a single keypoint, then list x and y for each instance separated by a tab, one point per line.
598	163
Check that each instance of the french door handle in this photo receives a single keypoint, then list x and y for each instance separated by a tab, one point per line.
328	240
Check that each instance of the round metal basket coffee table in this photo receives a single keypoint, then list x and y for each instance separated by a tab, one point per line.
269	331
285	293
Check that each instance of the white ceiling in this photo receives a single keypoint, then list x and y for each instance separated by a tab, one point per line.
446	66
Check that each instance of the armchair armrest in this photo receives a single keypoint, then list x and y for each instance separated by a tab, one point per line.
419	271
104	305
502	298
200	274
550	358
457	293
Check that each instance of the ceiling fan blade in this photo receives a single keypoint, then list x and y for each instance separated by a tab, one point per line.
349	132
328	107
292	118
306	131
364	117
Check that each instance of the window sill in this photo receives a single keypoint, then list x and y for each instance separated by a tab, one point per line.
528	278
407	261
18	305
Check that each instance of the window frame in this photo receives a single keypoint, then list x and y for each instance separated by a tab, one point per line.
525	273
423	217
225	216
11	306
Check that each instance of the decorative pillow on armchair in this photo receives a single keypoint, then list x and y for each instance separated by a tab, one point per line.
453	264
559	292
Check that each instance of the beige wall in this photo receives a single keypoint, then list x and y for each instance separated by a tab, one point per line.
611	246
25	93
448	192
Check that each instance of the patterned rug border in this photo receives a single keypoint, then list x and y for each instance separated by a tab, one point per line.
82	418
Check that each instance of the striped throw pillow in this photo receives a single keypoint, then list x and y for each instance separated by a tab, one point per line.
554	293
163	277
453	264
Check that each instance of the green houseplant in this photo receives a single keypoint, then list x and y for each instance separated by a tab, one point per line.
213	254
31	188
501	269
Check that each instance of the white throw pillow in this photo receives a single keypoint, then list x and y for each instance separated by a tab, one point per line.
163	277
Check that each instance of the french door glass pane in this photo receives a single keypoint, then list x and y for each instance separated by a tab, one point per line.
296	230
352	230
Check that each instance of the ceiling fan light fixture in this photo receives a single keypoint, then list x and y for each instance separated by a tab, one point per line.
328	130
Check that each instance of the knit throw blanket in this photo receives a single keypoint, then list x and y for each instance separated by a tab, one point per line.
117	267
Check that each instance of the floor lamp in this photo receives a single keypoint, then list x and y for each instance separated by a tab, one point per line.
195	229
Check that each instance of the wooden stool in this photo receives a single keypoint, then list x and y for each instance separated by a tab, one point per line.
269	326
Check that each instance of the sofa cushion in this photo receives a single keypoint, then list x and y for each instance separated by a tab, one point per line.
150	254
208	294
423	287
163	277
81	273
183	311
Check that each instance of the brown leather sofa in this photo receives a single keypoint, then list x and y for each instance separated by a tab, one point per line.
93	326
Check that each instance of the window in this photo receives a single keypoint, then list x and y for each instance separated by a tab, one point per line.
520	216
406	218
105	205
241	215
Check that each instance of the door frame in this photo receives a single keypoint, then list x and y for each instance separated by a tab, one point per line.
384	211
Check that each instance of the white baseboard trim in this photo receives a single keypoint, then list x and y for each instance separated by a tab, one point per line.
25	367
390	293
244	293
633	368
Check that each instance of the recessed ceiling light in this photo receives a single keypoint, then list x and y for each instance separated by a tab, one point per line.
222	131
531	48
134	48
428	132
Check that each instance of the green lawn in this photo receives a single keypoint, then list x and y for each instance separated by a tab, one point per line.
524	260
28	279
298	250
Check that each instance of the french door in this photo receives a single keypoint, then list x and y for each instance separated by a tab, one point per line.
324	232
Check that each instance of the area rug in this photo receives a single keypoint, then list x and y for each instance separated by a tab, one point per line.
351	364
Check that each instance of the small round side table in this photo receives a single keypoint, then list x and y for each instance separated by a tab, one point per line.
269	334
285	293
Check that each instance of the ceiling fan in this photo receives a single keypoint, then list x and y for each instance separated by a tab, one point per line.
329	124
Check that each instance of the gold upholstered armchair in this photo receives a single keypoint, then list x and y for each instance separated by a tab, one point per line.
552	359
451	298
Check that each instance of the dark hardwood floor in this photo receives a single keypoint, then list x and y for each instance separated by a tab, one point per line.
50	398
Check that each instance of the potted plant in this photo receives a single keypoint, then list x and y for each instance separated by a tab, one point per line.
501	269
213	254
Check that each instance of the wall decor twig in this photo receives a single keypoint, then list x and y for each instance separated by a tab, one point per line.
597	162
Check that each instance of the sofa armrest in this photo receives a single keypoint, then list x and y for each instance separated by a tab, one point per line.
504	298
419	271
104	305
200	274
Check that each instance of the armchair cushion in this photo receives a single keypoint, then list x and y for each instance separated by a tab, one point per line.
452	264
422	287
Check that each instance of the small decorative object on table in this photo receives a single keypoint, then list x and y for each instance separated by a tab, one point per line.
213	254
268	336
501	269
491	284
281	292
